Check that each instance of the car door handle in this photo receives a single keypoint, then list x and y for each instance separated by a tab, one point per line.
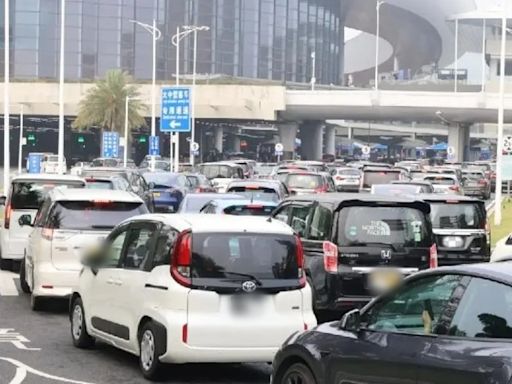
110	281
118	282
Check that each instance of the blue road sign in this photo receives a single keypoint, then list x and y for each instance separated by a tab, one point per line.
34	162
154	145
175	108
110	144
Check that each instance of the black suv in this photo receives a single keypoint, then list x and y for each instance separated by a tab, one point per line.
349	238
460	227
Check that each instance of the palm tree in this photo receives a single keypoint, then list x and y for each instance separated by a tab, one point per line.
104	104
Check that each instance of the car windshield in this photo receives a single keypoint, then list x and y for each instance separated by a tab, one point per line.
163	180
256	193
30	194
439	180
216	171
105	163
93	214
379	177
237	255
396	226
457	215
249	210
300	181
99	184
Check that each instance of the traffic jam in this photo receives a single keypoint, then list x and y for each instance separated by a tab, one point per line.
313	272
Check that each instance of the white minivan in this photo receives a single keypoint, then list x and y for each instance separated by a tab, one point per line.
68	224
24	197
194	289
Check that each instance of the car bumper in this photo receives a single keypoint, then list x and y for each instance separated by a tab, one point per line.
51	282
475	191
455	258
13	249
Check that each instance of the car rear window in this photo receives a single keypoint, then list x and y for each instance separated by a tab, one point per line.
105	163
256	193
349	172
99	184
457	215
217	171
93	214
397	226
439	180
300	181
379	177
240	256
30	194
249	210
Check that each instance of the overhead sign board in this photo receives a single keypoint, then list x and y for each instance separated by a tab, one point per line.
175	109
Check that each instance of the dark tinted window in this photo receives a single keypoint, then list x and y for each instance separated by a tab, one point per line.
164	246
138	247
439	180
484	311
415	308
105	163
30	194
397	226
256	193
93	214
379	177
215	171
99	184
295	180
300	217
249	210
321	223
162	180
222	255
457	215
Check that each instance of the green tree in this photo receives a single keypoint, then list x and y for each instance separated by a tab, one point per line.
104	104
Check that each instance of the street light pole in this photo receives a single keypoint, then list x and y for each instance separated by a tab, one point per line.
156	34
177	135
125	150
6	97
61	87
377	45
313	70
20	147
456	63
501	118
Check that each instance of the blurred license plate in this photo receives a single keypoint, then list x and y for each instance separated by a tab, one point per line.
472	185
384	279
156	194
246	304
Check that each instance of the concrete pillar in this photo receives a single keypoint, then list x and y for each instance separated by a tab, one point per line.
218	135
330	141
287	136
236	143
458	138
311	134
350	132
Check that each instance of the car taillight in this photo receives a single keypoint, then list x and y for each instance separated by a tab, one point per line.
433	263
482	182
340	178
299	253
455	188
7	219
321	189
181	259
330	257
184	333
47	233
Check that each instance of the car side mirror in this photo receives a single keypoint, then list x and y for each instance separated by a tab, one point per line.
25	220
93	258
3	200
151	185
351	321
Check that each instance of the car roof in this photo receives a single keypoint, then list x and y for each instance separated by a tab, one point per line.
46	177
373	168
261	182
441	175
59	194
212	196
412	182
445	197
224	203
228	163
337	198
201	223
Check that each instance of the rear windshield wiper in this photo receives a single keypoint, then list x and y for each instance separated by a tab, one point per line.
245	275
102	226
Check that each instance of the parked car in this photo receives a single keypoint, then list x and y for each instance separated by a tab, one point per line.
349	238
262	190
68	222
198	295
377	175
476	184
309	182
24	197
447	325
444	183
346	179
221	174
242	207
194	202
461	229
168	189
200	183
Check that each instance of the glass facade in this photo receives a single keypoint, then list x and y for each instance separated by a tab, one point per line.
267	39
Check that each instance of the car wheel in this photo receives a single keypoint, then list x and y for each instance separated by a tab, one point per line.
81	339
5	264
23	281
297	374
149	344
36	302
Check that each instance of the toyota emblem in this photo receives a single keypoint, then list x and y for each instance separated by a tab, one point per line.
249	286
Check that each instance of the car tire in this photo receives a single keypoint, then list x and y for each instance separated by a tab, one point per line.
79	334
36	302
5	264
297	373
149	344
23	281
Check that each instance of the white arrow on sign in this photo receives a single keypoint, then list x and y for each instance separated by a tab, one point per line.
194	147
366	150
279	147
175	124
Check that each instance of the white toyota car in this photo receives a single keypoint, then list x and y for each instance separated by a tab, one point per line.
193	289
68	223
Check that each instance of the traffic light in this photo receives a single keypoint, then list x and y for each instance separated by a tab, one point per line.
31	139
80	139
143	139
